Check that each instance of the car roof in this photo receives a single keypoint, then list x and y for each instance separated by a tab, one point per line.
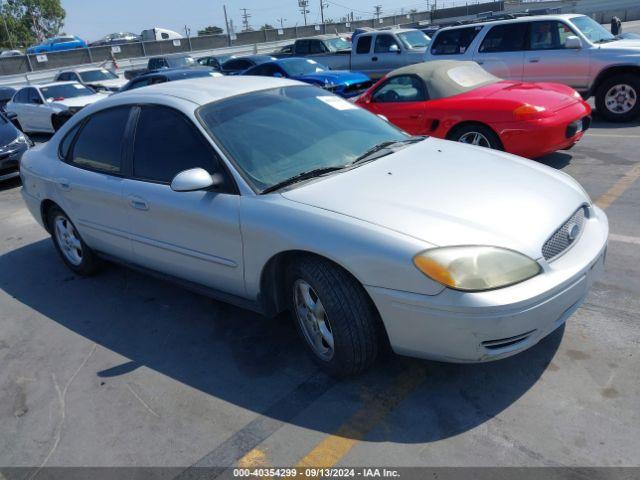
175	72
206	90
436	75
81	69
326	36
53	84
532	18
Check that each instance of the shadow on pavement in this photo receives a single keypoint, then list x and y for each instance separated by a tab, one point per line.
252	362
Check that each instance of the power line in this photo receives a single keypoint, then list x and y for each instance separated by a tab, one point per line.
245	20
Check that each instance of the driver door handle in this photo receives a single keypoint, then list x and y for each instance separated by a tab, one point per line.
138	203
63	183
374	59
534	60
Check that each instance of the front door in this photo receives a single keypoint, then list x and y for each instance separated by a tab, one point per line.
190	235
547	59
402	100
387	55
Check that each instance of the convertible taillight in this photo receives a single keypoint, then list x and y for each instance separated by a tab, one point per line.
528	112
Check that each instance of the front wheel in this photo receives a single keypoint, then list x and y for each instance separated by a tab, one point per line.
74	252
477	134
617	99
334	316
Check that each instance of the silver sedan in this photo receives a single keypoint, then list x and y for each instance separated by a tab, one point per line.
276	195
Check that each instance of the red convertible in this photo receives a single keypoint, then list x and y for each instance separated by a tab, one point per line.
462	102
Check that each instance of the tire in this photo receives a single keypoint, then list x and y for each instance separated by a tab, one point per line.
470	133
58	120
72	249
349	316
623	107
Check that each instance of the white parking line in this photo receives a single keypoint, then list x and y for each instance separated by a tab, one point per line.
612	135
624	239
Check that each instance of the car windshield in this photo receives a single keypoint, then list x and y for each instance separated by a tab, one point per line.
301	66
414	39
67	90
177	62
338	43
97	75
273	135
592	29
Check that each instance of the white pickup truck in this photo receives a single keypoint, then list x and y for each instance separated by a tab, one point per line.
570	49
373	53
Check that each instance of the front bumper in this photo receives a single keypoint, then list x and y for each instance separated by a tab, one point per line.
10	163
456	326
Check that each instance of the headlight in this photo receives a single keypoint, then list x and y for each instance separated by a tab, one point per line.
21	138
475	268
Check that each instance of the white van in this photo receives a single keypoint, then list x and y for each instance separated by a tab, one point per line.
156	33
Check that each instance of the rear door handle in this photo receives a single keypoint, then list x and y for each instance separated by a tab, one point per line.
534	60
63	183
138	203
374	59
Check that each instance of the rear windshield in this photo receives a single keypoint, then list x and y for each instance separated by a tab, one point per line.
176	62
97	75
470	76
69	90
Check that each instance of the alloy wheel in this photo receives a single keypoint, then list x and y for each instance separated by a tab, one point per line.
620	99
475	138
313	320
68	240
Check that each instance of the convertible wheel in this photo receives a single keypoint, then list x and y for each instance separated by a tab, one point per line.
74	252
334	316
476	135
618	98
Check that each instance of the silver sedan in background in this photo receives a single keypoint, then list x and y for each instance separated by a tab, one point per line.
276	195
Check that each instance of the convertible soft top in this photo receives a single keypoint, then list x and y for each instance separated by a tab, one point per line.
446	78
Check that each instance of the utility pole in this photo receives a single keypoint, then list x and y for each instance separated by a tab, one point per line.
322	11
245	20
226	24
304	9
281	20
378	11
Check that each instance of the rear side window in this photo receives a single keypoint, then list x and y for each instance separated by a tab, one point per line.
22	96
505	38
166	143
99	143
316	46
403	88
454	42
302	47
67	141
364	44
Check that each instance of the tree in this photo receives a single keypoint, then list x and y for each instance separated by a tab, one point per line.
267	26
210	30
30	21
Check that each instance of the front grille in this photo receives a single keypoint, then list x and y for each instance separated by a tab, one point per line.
565	236
506	342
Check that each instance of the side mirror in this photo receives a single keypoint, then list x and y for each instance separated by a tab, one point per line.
573	42
394	49
11	116
195	179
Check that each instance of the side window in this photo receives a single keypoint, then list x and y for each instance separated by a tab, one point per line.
141	83
384	43
22	96
34	97
549	35
454	42
403	88
316	46
510	37
166	143
67	141
364	44
99	143
156	80
164	36
302	47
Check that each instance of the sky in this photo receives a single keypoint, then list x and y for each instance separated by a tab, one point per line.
91	19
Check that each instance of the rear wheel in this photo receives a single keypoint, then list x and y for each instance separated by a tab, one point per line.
334	316
74	252
618	98
476	134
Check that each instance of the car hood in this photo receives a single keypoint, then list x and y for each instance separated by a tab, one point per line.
82	101
551	96
335	77
628	45
446	193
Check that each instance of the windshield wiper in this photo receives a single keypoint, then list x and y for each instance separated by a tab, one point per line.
608	40
385	148
301	177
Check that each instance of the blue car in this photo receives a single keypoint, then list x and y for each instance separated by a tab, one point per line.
169	75
341	82
57	44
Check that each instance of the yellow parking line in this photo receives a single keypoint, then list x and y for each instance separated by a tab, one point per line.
256	458
334	447
619	187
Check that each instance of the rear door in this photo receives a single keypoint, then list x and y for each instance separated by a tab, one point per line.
549	61
18	105
90	180
455	44
502	50
402	100
189	235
